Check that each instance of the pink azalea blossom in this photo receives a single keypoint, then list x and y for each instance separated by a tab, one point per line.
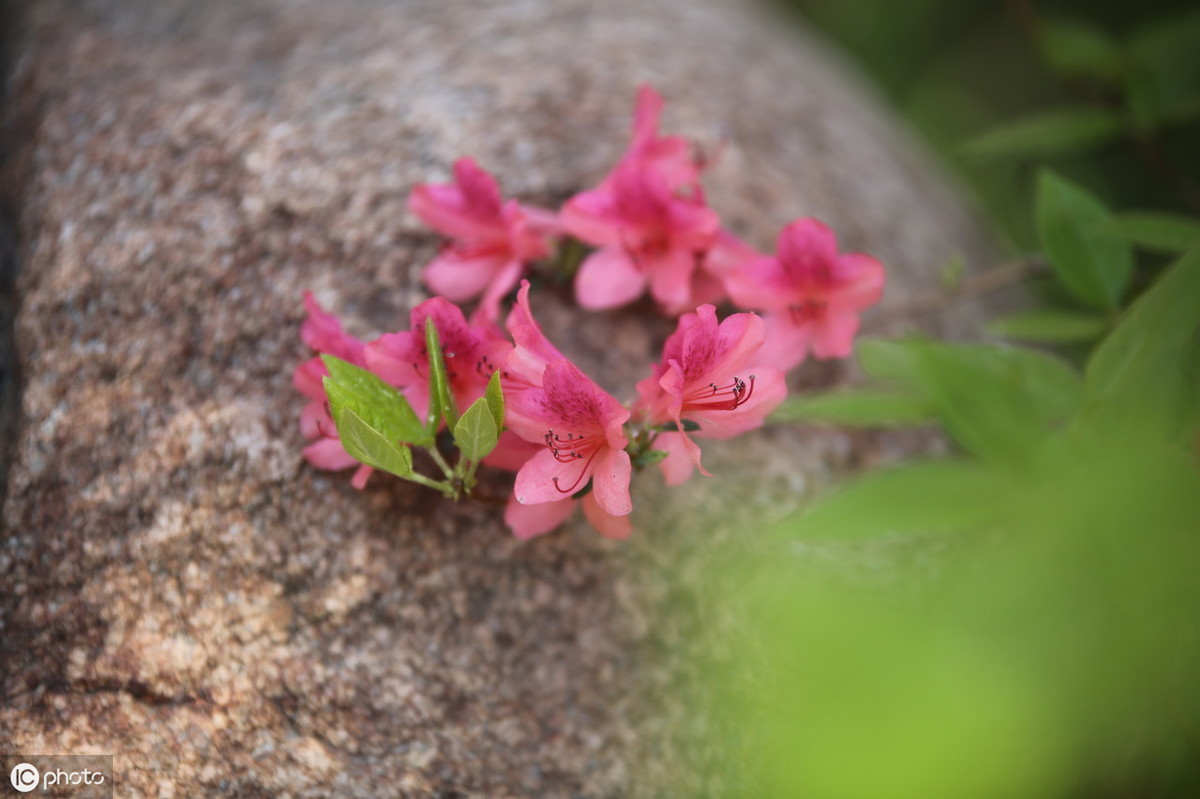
580	430
811	293
323	332
669	156
490	240
647	237
711	374
471	354
528	521
533	352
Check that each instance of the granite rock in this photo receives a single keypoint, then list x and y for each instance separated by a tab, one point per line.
179	587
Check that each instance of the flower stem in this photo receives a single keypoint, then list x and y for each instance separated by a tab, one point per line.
441	462
979	285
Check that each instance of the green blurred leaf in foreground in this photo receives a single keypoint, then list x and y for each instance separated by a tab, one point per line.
1048	647
1059	132
857	408
1050	326
1158	232
1094	264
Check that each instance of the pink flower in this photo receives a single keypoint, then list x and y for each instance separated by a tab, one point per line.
533	352
471	354
528	521
323	332
711	374
647	236
491	240
580	430
669	156
812	295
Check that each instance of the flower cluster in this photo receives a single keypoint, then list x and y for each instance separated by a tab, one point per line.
649	229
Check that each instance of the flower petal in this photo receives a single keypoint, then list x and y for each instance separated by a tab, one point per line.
608	279
511	452
677	468
833	334
608	525
807	246
460	279
323	332
858	282
786	344
769	390
592	216
535	481
392	357
361	475
308	379
527	521
502	283
761	284
671	279
328	454
611	472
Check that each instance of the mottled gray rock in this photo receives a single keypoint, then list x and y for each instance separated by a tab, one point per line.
179	588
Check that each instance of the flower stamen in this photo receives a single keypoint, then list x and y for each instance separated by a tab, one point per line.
720	398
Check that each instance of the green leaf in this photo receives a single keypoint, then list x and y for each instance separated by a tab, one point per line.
688	426
373	401
1158	232
476	433
1050	326
650	457
1163	84
1095	265
1144	373
931	497
495	400
865	407
441	399
995	400
1074	47
1064	131
368	445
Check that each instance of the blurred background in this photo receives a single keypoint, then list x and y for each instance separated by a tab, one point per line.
1105	91
1021	618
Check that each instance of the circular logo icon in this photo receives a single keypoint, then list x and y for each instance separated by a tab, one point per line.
24	777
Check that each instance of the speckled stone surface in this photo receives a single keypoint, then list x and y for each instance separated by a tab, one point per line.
178	587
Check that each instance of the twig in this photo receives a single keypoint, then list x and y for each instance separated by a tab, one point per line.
970	288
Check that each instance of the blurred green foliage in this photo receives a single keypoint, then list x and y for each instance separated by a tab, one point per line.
1021	618
1053	650
1105	92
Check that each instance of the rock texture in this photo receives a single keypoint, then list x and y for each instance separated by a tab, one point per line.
179	588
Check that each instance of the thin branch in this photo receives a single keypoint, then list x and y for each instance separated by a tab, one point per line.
970	288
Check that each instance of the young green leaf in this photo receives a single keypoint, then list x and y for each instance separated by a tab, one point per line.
373	401
863	407
1064	131
688	426
441	400
495	400
476	432
1144	373
1167	233
370	446
1074	47
995	400
1050	326
649	458
1094	264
